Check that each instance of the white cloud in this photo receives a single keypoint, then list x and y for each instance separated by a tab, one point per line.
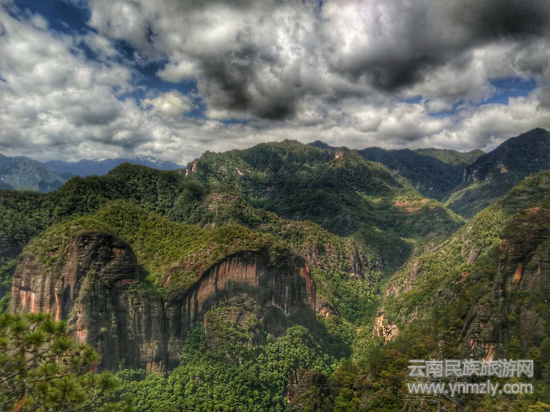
262	58
169	104
338	73
176	72
489	125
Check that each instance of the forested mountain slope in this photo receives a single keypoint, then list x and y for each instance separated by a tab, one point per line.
453	157
284	276
482	294
281	244
430	175
493	174
336	188
433	172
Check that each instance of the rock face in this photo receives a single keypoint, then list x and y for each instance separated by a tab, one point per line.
383	329
95	286
283	290
523	268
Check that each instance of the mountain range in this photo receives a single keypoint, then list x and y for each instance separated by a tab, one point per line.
292	276
23	173
27	174
88	167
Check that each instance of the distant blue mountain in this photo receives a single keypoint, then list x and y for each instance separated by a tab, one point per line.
88	167
22	173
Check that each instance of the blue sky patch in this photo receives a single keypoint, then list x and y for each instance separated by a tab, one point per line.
71	17
513	87
63	16
413	100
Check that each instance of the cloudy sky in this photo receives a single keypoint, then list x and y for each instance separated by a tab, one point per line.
173	78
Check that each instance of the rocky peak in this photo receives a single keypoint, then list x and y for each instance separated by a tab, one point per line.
193	168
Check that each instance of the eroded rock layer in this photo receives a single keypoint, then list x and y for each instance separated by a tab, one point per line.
95	286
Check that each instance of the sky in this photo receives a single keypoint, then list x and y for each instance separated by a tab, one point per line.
174	78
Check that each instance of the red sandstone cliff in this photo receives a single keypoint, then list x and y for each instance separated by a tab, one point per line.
95	286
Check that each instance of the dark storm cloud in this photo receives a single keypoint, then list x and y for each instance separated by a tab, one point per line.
243	55
236	48
231	79
427	34
95	114
491	19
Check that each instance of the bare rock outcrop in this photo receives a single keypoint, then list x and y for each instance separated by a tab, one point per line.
95	285
384	329
524	267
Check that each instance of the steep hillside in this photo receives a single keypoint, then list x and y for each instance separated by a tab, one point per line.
279	250
124	266
453	157
353	267
348	271
138	286
287	190
479	237
433	172
25	214
493	174
483	294
339	189
429	175
26	174
282	273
